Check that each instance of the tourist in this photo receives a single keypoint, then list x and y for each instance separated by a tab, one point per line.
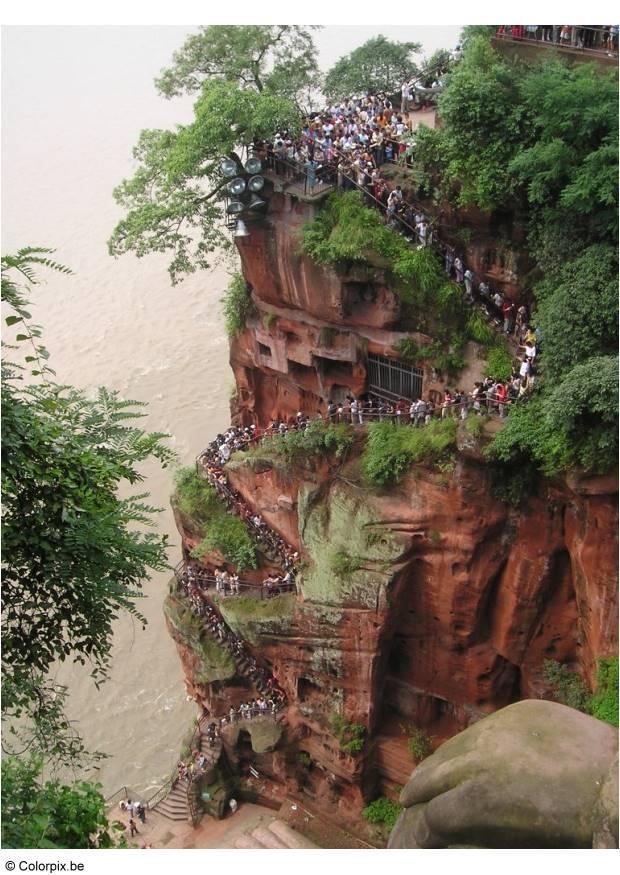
508	312
458	268
133	828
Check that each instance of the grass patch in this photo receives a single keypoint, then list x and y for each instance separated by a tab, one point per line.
475	426
391	449
220	530
250	608
382	810
318	439
344	565
229	535
569	688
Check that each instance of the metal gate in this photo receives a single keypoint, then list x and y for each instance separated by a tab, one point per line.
392	379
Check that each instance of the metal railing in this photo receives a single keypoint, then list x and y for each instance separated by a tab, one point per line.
206	580
311	179
581	38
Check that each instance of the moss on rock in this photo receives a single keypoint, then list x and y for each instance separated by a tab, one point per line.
257	619
213	661
340	523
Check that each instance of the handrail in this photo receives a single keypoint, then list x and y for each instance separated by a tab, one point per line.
122	790
579	33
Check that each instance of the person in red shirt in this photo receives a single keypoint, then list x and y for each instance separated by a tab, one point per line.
501	395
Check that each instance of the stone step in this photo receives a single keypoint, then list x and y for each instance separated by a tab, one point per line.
246	842
268	838
288	836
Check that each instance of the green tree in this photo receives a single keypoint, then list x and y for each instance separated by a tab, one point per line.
279	58
37	814
578	310
249	82
73	557
482	125
380	65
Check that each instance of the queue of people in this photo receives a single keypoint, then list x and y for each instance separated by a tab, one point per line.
261	677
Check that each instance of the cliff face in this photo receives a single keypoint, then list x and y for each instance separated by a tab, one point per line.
448	602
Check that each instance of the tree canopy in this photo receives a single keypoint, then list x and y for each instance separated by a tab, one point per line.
278	58
540	142
49	814
380	65
250	81
74	553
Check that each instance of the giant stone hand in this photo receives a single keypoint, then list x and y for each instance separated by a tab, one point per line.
534	775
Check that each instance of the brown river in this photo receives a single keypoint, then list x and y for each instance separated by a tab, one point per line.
74	101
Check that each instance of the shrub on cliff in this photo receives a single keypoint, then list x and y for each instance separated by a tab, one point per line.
603	704
228	534
237	305
318	439
569	687
382	810
193	495
391	449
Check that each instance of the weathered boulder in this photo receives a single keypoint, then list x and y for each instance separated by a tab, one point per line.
533	775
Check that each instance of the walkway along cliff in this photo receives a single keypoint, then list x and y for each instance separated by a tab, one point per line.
422	606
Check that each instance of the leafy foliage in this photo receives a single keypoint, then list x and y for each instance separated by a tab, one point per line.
351	736
345	231
499	363
382	810
238	306
228	534
74	553
278	58
251	81
167	207
603	704
222	531
569	687
391	449
378	66
579	317
419	744
571	425
317	439
51	814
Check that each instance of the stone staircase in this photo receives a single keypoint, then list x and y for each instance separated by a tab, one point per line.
174	806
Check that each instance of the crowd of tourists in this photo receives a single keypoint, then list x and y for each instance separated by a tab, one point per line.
594	37
211	462
262	678
347	145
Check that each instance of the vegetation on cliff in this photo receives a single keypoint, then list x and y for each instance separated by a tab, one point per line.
391	450
221	531
570	689
237	305
346	232
541	142
212	661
